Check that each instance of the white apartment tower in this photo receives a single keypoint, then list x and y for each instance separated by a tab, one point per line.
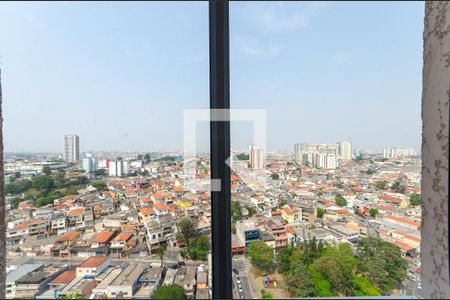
299	150
118	168
256	158
71	148
345	150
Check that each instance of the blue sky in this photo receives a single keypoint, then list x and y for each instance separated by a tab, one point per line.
120	74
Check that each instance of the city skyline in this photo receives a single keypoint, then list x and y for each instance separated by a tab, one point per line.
127	90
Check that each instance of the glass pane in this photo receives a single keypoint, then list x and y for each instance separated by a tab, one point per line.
341	87
94	100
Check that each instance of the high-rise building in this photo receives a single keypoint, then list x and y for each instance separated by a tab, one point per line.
256	158
345	150
299	150
118	168
71	148
89	164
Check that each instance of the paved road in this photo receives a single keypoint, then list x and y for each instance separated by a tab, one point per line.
243	266
371	231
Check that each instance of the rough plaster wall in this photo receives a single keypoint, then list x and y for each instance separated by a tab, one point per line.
435	150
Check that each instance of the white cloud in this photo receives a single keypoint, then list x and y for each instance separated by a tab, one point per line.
256	48
292	17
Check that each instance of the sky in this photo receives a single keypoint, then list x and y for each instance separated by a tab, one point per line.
121	74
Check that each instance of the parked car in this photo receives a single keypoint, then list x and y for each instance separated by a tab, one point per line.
419	286
238	280
181	263
235	271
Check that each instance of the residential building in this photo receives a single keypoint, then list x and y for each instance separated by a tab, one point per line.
71	148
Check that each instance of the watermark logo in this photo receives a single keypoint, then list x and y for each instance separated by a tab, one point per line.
251	173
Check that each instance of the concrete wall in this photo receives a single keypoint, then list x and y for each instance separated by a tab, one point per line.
435	147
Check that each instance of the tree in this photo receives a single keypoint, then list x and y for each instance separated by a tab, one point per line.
337	266
236	211
46	170
283	202
187	230
261	255
363	287
199	248
320	212
373	212
415	199
139	157
161	251
173	291
340	200
298	280
100	185
339	185
266	294
381	262
275	176
43	182
15	202
381	185
147	157
398	187
251	210
73	295
370	171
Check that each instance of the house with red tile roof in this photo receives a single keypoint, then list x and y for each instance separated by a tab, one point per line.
160	209
93	266
63	279
147	214
120	243
102	239
75	217
402	221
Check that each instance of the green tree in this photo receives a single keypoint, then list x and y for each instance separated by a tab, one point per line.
46	170
261	255
415	199
320	212
236	211
266	294
381	262
15	202
251	210
275	176
370	171
322	287
363	287
199	248
100	185
139	157
337	266
340	200
373	212
161	251
339	185
43	182
283	202
381	185
298	280
187	230
398	187
73	295
147	157
173	291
